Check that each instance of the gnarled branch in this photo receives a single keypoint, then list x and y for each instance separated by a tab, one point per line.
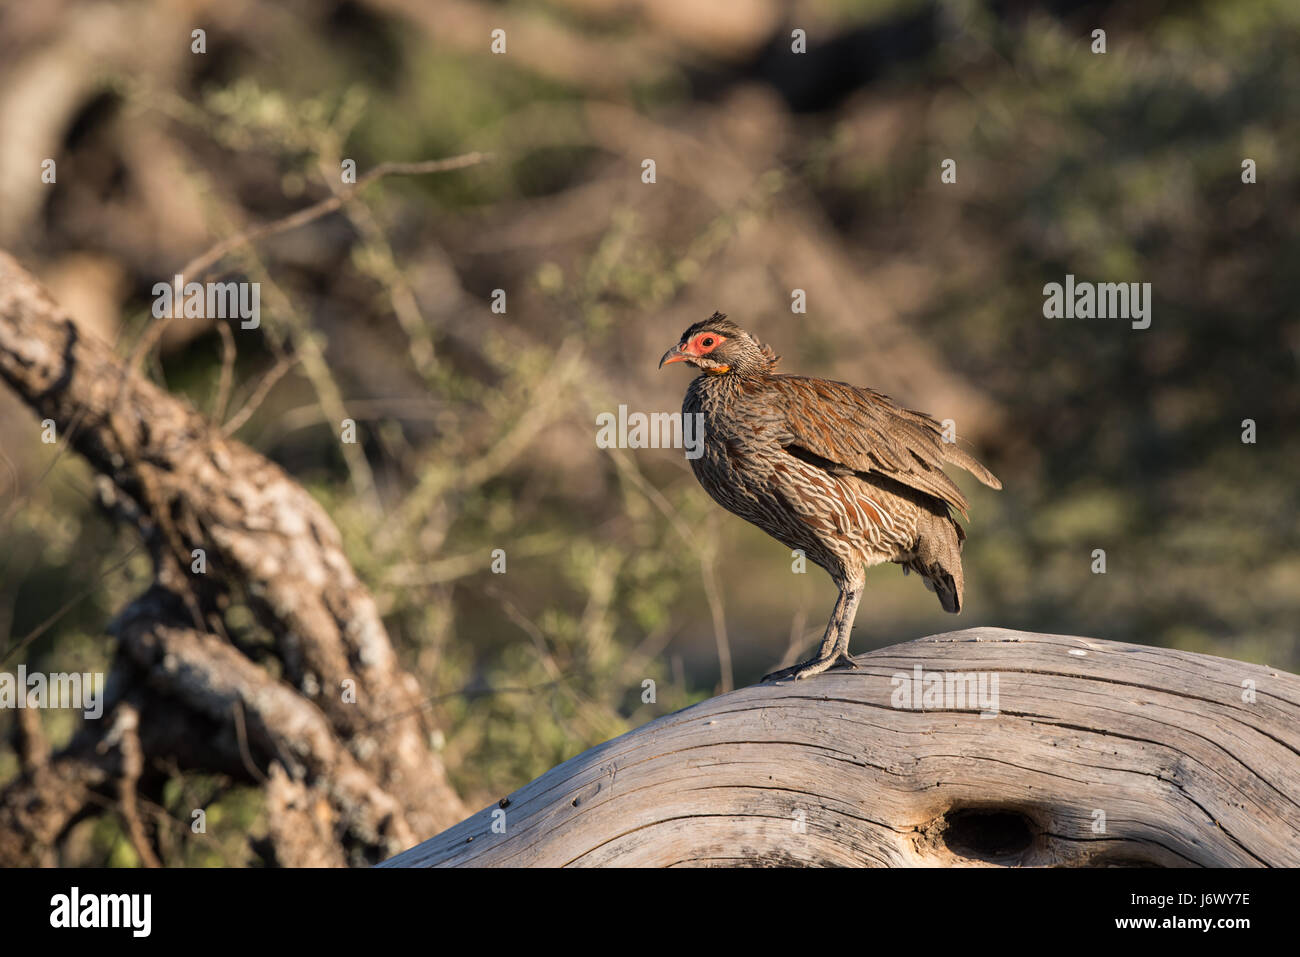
187	485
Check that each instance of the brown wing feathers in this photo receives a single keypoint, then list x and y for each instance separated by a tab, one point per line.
864	431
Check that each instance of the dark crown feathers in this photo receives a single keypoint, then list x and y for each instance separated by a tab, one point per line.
718	322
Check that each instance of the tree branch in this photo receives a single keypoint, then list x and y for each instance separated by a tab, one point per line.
266	540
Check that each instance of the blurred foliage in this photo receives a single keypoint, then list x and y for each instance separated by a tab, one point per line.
1122	167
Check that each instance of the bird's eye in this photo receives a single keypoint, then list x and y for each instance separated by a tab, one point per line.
707	341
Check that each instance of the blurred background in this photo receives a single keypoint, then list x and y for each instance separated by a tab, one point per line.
775	171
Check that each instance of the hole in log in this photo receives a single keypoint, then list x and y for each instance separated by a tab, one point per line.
987	834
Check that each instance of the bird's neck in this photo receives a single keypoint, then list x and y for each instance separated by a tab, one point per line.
730	379
715	391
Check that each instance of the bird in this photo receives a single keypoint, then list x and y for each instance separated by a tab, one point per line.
842	473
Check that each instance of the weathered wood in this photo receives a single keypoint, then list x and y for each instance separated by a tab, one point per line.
1192	760
362	770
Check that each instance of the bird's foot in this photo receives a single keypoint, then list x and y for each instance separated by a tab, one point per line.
806	669
844	661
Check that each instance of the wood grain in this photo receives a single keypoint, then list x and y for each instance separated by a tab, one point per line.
184	484
1192	760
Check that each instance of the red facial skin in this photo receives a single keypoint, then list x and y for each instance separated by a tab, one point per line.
696	347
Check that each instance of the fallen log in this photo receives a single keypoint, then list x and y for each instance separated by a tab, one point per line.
983	747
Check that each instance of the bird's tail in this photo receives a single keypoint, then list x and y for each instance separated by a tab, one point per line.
963	459
937	559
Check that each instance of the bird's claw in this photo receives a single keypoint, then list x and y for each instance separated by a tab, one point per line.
781	675
814	666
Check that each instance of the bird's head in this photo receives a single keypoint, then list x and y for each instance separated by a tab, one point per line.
717	346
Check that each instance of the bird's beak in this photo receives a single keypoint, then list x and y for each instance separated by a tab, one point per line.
674	354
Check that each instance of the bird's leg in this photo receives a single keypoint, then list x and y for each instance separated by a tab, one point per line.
834	649
853	596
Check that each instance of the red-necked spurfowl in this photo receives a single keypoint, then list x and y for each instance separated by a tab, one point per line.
841	472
